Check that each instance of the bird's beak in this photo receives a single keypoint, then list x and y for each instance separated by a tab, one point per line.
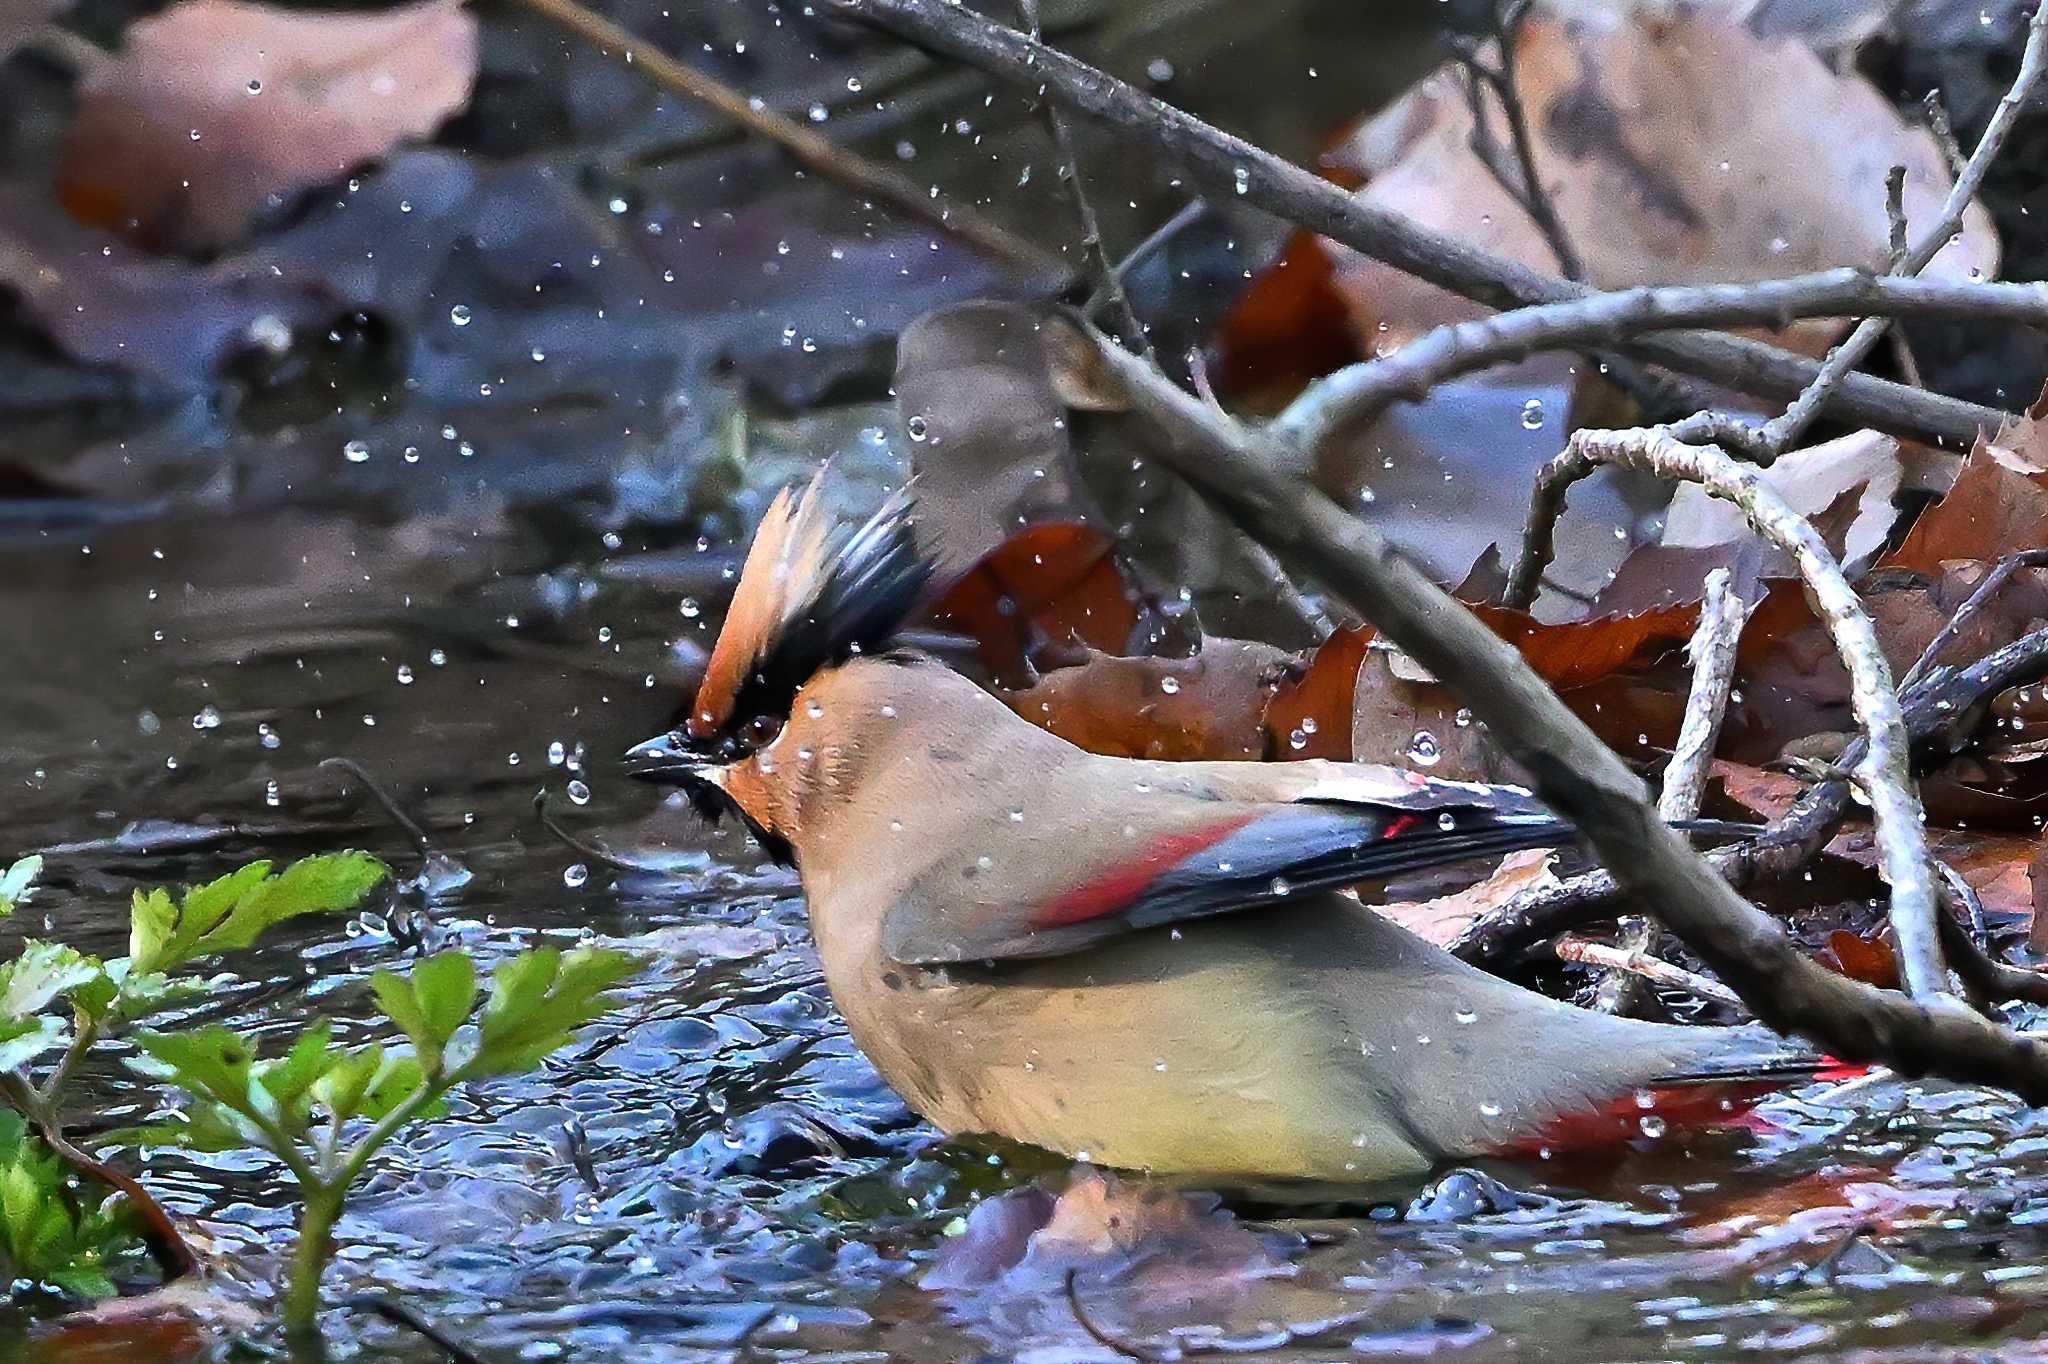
666	758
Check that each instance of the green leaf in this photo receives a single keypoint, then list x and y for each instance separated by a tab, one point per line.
340	1091
232	912
43	971
432	1003
44	1237
396	1080
289	1080
24	1039
15	883
212	1062
538	1000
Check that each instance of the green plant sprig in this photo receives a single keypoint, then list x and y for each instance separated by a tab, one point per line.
323	1111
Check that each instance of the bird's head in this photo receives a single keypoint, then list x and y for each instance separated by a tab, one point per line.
813	593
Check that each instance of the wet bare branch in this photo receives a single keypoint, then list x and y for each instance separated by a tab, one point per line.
1354	396
1570	767
1107	283
1996	579
1638	964
1942	711
1885	769
1230	165
1783	430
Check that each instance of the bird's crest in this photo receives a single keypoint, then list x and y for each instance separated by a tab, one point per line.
811	595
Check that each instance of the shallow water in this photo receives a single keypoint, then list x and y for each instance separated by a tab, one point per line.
748	1179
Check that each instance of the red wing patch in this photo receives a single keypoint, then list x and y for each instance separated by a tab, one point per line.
1123	884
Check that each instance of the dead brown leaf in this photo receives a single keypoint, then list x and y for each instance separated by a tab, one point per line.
1443	918
1997	505
1657	174
217	109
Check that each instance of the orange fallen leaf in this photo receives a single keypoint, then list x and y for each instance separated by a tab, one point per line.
1997	505
1057	582
216	109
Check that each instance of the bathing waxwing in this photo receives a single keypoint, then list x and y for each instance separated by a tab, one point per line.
1143	964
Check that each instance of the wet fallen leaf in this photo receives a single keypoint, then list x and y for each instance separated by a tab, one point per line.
1148	1238
1870	960
178	1322
1443	918
1059	583
1658	176
1998	503
1210	706
216	109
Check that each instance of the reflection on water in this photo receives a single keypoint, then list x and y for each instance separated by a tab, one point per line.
715	1164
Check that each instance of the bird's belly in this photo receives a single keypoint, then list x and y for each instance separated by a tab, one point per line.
1216	1067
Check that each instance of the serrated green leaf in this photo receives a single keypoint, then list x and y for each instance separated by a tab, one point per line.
43	971
24	1039
16	881
396	1080
291	1077
232	912
538	1000
340	1091
326	884
213	1062
43	1237
430	1004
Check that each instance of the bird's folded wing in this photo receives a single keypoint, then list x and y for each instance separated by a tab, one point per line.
1200	851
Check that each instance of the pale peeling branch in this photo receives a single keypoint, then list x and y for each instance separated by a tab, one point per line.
1885	769
1353	396
1637	963
1714	641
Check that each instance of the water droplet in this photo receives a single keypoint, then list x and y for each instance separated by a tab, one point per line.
575	874
1423	749
1447	821
1169	685
270	796
207	718
1462	719
356	451
556	753
1465	1013
437	657
853	85
1532	415
1489	1109
1281	887
1016	816
405	674
255	87
459	314
1241	180
918	427
579	793
1159	70
1652	1125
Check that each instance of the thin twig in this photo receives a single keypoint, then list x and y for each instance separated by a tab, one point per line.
1356	394
1231	166
1123	316
809	148
1521	178
1783	430
1713	647
2001	572
1571	769
1885	770
1095	1333
389	803
1638	964
1944	131
588	849
398	1314
1186	216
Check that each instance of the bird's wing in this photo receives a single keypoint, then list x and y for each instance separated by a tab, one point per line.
1210	843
